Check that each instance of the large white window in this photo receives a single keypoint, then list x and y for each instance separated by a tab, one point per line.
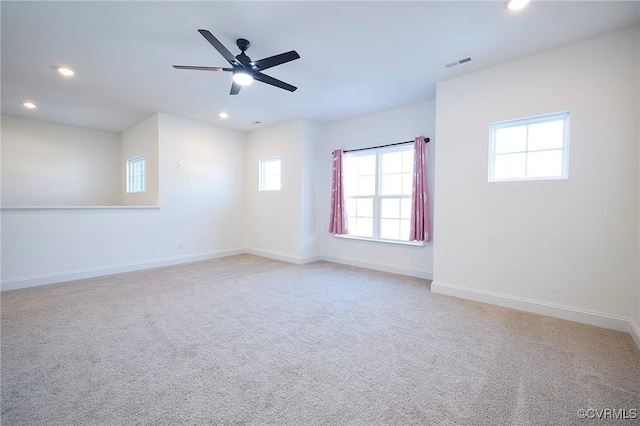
269	174
378	184
137	174
530	148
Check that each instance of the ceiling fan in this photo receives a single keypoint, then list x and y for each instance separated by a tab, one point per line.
243	68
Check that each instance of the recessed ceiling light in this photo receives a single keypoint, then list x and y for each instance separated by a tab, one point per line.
29	105
223	115
515	4
67	72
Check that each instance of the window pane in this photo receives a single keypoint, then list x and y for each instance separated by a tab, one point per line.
544	163
390	229
546	135
366	164
407	161
364	227
352	225
364	207
269	174
390	208
405	208
404	229
272	167
350	185
531	148
391	162
271	183
510	166
350	166
391	184
366	185
136	171
407	183
351	206
511	139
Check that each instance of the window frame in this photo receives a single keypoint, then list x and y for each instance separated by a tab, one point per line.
262	176
133	186
564	116
377	197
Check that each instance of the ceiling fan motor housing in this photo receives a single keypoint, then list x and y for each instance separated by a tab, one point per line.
243	44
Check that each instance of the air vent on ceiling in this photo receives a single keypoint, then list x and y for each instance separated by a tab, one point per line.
458	62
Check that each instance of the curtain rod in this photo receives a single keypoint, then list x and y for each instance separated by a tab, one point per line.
426	140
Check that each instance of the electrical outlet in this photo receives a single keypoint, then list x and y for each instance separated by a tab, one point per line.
180	245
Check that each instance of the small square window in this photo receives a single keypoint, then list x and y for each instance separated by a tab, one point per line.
269	174
136	174
532	148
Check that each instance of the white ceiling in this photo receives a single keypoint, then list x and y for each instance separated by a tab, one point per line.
356	57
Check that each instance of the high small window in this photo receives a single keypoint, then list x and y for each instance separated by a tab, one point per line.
136	174
378	184
530	148
269	174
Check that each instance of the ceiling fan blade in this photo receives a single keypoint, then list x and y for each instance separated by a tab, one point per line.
189	67
219	47
235	88
272	61
273	81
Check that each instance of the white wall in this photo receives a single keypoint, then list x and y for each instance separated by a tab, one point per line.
397	125
273	218
200	204
545	244
310	226
203	198
141	139
637	316
49	164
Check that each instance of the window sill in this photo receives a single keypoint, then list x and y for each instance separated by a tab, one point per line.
373	240
528	179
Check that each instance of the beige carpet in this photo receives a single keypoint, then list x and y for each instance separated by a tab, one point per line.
246	340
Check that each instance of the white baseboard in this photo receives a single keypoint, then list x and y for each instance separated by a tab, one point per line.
558	311
634	331
598	319
282	257
116	269
33	281
379	267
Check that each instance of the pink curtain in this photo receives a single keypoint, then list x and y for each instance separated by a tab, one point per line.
338	221
420	221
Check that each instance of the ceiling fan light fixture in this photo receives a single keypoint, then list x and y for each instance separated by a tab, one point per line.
243	78
515	4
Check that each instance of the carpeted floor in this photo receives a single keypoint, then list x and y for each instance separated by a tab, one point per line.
247	340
